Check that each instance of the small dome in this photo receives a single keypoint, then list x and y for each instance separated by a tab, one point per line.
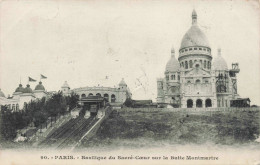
65	85
40	86
27	89
122	82
20	88
2	94
173	64
219	62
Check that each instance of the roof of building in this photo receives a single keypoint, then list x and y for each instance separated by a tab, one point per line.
27	89
19	88
122	82
173	64
40	86
194	36
219	62
2	93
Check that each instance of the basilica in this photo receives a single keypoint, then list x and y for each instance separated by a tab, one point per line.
195	79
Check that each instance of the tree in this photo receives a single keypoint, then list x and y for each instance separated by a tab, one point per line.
72	100
7	127
128	102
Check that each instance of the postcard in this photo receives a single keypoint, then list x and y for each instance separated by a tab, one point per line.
129	82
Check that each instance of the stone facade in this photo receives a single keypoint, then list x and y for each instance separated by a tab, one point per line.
114	95
196	79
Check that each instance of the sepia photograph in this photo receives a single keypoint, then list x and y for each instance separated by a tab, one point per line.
129	82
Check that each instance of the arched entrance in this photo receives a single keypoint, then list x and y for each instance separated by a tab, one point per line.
189	103
106	96
98	94
199	103
113	98
208	103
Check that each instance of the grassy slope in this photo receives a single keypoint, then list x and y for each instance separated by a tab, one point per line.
142	128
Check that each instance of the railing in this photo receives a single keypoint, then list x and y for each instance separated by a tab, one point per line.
60	131
42	133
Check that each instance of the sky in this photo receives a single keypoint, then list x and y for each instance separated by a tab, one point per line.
83	42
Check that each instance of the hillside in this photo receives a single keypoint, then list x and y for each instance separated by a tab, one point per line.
135	128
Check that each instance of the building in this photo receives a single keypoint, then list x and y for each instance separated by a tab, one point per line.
196	79
23	96
113	95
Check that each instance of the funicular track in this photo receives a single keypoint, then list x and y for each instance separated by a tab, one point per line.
69	133
75	136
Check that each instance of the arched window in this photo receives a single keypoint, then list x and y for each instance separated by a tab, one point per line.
186	65
208	103
91	94
197	81
205	64
106	96
167	77
201	62
199	103
178	77
189	103
17	107
98	94
190	63
113	98
208	64
171	77
83	95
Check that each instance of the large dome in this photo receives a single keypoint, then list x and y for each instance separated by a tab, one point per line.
194	36
20	88
173	64
40	86
2	94
219	62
